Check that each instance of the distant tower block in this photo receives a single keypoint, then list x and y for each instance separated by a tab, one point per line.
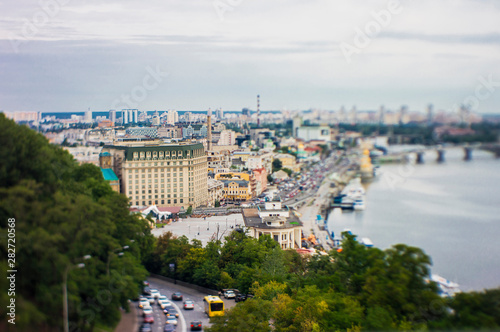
440	155
381	114
420	157
467	153
258	110
209	130
430	114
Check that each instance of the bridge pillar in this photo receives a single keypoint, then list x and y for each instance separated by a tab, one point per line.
467	153
440	158
420	157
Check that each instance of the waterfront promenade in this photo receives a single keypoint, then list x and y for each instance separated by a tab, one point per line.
309	212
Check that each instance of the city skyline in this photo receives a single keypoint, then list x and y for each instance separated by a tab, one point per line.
60	56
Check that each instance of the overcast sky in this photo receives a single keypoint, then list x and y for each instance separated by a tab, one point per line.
71	55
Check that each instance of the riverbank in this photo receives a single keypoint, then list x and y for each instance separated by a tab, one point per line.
450	210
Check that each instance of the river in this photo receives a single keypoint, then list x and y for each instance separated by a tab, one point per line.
451	210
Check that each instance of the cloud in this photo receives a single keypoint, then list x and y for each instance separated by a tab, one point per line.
486	38
288	50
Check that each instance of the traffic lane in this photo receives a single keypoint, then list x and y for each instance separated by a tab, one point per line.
157	314
198	313
185	316
168	291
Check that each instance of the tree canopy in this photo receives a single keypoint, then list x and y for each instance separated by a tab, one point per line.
63	212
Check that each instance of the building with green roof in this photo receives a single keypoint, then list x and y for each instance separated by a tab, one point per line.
111	177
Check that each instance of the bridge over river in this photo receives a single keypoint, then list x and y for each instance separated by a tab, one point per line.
440	151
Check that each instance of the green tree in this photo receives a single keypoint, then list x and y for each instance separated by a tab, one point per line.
251	315
277	165
269	290
64	211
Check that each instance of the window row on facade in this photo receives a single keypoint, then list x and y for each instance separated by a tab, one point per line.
148	155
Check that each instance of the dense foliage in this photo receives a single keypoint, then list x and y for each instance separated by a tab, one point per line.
235	264
356	289
63	212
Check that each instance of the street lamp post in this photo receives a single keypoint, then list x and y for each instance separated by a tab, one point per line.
120	254
65	291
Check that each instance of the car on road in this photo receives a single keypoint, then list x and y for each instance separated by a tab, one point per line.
188	305
143	303
147	310
169	328
171	311
171	320
164	303
177	296
161	298
149	318
196	325
146	328
146	291
151	299
155	293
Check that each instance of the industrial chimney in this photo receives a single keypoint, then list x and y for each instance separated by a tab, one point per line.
209	130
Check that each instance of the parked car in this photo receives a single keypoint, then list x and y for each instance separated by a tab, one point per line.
196	325
242	297
177	296
229	294
188	305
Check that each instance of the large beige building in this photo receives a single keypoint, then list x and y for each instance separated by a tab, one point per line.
153	172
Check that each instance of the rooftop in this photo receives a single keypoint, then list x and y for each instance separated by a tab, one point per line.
108	174
252	219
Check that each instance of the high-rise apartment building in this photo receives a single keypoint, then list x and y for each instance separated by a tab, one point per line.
130	116
430	114
172	117
219	113
125	116
162	174
88	116
112	116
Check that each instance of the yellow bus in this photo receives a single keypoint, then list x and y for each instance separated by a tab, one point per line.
214	306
